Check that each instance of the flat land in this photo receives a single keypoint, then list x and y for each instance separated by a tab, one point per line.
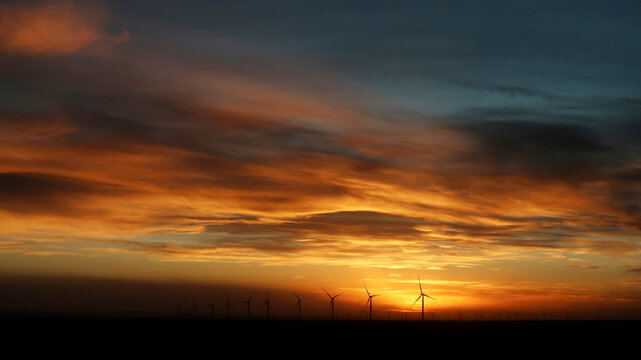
141	334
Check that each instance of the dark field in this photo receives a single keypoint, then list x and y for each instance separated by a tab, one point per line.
188	335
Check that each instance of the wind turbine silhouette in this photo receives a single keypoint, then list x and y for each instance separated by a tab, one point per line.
195	307
248	302
422	298
370	300
212	306
267	303
298	304
177	306
331	301
227	304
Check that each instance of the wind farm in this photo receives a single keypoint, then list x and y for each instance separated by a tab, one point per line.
353	301
324	305
283	317
304	317
348	310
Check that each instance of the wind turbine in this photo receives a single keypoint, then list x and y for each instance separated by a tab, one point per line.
212	306
370	300
248	302
195	307
422	298
331	301
267	303
177	306
227	305
298	304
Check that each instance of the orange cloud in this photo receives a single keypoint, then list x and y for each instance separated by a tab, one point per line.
60	27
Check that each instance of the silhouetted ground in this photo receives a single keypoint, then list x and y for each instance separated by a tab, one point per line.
149	335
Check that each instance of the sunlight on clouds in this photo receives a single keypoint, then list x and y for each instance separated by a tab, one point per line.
54	27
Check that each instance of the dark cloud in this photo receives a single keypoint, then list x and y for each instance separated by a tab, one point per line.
511	90
557	107
323	230
556	151
37	193
358	224
629	201
211	133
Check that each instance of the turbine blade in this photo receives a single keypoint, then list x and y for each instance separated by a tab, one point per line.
416	301
366	288
330	296
338	295
419	283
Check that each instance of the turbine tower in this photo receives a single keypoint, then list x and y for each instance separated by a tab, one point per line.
370	300
195	307
422	298
331	301
298	305
177	307
267	303
212	306
227	305
248	302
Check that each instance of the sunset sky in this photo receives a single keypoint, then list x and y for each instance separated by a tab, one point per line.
203	148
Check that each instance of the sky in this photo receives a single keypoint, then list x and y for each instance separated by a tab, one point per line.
155	152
